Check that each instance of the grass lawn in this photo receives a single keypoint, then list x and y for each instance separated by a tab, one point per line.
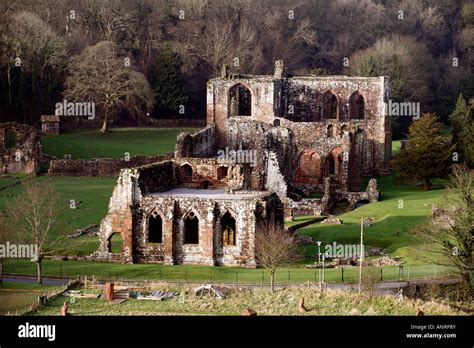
15	298
7	180
399	209
87	144
198	273
91	196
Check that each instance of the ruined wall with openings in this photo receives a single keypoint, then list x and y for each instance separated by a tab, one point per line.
339	101
264	93
20	148
249	214
142	193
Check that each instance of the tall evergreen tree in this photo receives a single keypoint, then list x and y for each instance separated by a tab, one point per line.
466	139
458	118
427	155
462	123
166	81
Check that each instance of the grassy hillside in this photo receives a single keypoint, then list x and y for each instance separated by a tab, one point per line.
92	198
399	209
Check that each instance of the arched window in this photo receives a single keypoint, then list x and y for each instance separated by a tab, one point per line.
191	229
115	243
309	168
356	106
342	130
335	161
330	106
228	229
330	131
240	101
221	173
10	139
187	171
155	229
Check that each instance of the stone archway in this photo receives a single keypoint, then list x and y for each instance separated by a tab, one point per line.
155	228
228	229
356	106
191	228
115	243
10	139
240	101
330	106
334	162
308	169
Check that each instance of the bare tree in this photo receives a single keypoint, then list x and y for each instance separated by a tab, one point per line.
370	278
28	42
34	216
98	75
450	242
275	248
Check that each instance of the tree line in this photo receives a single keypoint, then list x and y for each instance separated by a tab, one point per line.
424	46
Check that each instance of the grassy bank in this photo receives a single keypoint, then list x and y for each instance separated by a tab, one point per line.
16	298
283	302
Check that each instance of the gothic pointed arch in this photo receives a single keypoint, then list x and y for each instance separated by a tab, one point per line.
240	100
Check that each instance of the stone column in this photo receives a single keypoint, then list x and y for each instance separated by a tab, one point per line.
168	238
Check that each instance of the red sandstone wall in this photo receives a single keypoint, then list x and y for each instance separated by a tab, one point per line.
100	166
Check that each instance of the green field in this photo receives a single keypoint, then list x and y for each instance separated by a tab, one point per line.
399	209
91	196
295	274
87	144
16	298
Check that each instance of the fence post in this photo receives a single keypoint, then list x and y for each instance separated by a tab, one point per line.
381	273
342	274
262	280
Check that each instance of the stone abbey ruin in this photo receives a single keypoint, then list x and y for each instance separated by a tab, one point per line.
313	140
20	148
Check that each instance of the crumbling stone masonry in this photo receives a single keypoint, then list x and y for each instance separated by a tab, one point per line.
162	216
100	166
20	148
301	137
